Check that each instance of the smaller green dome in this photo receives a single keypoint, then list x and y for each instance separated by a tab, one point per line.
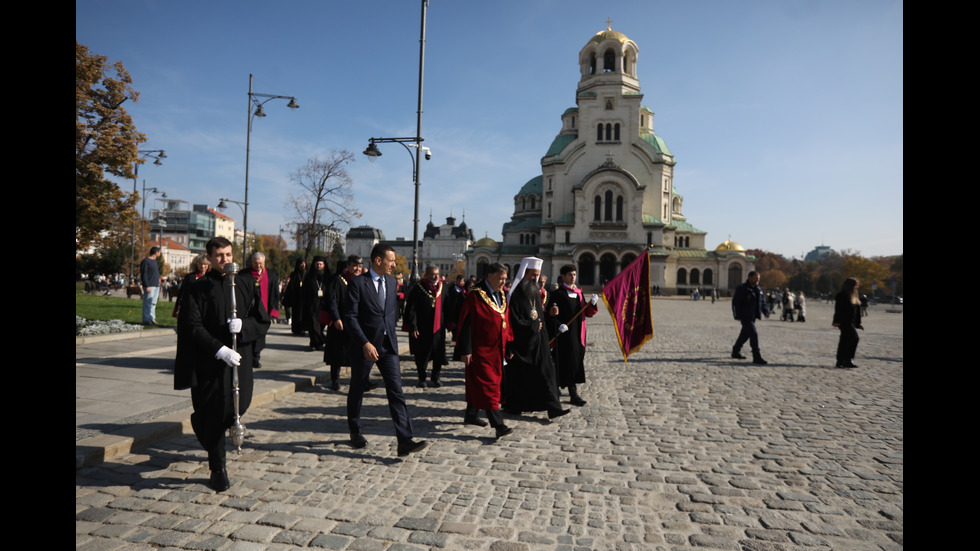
485	242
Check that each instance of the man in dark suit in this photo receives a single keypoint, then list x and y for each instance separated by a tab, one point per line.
370	316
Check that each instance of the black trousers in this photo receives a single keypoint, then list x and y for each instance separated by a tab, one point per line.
848	343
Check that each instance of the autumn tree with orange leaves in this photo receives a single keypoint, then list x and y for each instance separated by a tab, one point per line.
106	144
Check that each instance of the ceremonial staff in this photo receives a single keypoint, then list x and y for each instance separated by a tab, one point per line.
587	304
237	428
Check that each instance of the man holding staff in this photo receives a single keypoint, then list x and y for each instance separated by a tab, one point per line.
207	337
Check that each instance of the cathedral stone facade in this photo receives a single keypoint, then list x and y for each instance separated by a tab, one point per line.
606	191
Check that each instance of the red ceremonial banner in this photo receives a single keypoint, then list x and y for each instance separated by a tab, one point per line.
627	296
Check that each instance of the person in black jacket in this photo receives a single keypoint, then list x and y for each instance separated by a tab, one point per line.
266	284
335	352
748	305
847	317
207	335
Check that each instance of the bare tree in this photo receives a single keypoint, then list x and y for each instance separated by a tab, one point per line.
327	198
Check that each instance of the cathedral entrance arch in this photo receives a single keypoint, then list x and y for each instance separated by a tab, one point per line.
734	276
607	267
586	269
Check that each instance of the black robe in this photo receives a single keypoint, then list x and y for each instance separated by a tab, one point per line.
314	299
420	316
202	330
293	299
529	377
569	353
335	352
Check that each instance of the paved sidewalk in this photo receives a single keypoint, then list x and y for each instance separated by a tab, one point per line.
124	396
681	448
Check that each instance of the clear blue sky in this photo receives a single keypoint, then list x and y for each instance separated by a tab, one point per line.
785	116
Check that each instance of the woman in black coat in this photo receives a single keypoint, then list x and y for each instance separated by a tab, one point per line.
847	317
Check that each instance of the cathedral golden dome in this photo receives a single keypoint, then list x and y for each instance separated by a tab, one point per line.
609	34
730	247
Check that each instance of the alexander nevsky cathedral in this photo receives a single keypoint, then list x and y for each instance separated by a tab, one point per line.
606	191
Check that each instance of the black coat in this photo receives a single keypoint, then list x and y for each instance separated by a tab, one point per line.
530	382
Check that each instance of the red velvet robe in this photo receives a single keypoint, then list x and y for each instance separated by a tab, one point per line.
484	333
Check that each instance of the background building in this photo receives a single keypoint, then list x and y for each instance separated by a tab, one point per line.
190	228
445	245
324	240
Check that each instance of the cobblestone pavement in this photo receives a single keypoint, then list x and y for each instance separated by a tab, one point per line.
680	448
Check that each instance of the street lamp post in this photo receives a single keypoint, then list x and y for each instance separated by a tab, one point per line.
156	155
222	205
373	152
253	100
146	190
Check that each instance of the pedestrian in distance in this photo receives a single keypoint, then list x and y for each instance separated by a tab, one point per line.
748	305
847	317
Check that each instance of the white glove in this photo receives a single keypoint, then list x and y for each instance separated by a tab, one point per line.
594	300
229	356
235	325
562	328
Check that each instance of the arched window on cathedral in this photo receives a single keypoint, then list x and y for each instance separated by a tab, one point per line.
532	202
568	237
609	206
522	238
592	63
619	208
687	242
609	61
598	133
708	277
534	239
682	276
608	132
616	132
649	238
626	63
598	209
523	203
695	277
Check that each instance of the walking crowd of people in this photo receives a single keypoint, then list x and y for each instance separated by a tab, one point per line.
518	344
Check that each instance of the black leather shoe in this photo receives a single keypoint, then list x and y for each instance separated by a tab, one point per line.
759	361
334	385
577	401
503	430
435	383
219	480
371	386
421	384
738	356
256	364
846	365
474	420
410	446
558	413
357	441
